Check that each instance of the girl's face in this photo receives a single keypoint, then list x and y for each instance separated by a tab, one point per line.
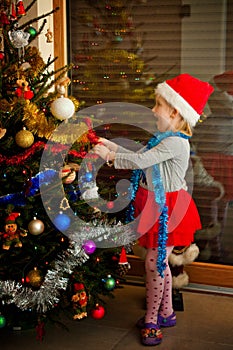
163	114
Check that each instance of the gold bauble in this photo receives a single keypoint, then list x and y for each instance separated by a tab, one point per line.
35	277
36	227
24	138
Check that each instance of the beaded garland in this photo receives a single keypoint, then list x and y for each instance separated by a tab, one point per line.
160	197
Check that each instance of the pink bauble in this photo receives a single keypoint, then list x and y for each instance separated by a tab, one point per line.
110	205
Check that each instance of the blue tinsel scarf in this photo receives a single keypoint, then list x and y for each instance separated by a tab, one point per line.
160	197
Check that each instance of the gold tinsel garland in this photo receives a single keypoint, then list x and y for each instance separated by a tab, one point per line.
67	135
6	106
36	121
37	65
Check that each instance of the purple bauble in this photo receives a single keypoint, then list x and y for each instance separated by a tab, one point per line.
89	247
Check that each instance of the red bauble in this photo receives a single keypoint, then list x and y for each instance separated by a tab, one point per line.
110	205
98	312
2	56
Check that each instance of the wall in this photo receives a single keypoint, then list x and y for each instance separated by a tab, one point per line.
203	38
38	9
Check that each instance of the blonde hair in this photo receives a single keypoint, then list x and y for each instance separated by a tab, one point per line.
182	126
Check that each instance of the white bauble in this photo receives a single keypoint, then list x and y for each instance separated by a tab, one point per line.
62	108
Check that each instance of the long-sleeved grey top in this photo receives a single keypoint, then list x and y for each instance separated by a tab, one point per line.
172	155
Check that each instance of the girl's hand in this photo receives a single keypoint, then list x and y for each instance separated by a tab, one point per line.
112	146
101	151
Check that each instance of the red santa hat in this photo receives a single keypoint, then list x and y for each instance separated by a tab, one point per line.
123	257
11	218
20	8
187	94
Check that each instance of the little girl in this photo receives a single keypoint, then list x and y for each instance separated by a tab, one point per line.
167	213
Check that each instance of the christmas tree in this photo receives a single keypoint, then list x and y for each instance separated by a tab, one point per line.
51	250
108	54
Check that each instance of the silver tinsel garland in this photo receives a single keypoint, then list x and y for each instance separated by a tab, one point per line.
48	295
103	234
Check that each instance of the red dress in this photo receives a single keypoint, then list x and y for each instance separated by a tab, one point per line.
183	218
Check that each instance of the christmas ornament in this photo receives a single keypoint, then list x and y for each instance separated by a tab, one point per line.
62	108
13	12
109	283
67	174
88	176
24	66
20	8
110	205
36	227
19	38
123	265
23	90
79	300
32	31
62	221
56	279
98	312
35	277
62	86
89	247
90	191
24	138
49	36
12	234
2	55
2	321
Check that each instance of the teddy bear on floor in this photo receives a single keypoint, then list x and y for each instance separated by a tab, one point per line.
180	257
12	235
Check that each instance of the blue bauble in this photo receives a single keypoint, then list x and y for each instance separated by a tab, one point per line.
88	176
62	222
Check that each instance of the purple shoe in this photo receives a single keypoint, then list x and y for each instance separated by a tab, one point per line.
151	334
169	321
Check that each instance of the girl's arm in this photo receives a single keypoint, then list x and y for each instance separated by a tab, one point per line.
167	149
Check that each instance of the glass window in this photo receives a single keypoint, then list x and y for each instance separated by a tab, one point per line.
121	49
